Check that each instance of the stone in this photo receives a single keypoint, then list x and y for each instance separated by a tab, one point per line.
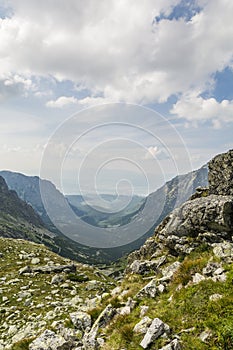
224	250
81	320
161	288
202	214
220	278
143	310
55	268
221	174
210	269
125	310
174	345
49	340
215	297
90	338
197	278
56	279
156	329
169	271
35	261
150	290
116	291
25	269
142	326
143	267
12	330
205	335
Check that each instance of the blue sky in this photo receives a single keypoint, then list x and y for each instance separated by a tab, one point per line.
173	57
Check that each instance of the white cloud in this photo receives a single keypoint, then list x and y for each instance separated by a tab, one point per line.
196	109
61	102
114	49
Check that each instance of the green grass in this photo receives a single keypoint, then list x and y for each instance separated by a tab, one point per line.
190	307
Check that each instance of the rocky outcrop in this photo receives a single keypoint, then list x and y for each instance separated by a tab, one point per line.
201	220
156	329
90	340
221	174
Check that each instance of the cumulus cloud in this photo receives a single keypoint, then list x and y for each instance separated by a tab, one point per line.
196	109
116	49
61	102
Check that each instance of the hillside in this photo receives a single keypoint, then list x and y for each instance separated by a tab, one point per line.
18	219
176	292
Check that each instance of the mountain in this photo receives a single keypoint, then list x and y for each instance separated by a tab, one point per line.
105	211
175	294
18	219
137	223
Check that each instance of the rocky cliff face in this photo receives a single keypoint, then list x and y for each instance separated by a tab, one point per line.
206	218
221	174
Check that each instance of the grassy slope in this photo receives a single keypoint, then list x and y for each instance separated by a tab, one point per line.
39	286
190	307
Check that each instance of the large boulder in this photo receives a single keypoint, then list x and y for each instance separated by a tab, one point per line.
49	340
212	213
208	219
221	174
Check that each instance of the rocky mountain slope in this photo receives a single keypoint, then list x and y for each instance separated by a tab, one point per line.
176	292
18	219
29	208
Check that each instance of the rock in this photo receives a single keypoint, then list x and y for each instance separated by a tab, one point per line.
55	268
142	326
145	266
161	288
90	338
12	330
224	250
221	174
215	297
169	271
156	329
197	278
174	345
201	214
210	269
220	278
125	310
144	310
49	340
205	335
25	269
56	279
150	290
81	320
116	291
35	261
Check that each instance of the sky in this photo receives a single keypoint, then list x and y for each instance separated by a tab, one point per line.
114	95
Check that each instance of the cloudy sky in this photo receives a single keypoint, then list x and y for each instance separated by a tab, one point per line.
69	58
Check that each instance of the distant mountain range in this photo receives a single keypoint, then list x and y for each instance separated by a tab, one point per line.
141	212
104	212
